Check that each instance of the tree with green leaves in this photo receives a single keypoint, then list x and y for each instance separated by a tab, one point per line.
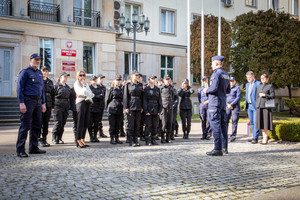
267	42
210	43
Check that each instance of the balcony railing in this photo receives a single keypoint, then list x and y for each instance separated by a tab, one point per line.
43	11
85	17
6	7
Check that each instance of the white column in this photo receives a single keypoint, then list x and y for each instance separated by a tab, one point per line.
202	39
188	42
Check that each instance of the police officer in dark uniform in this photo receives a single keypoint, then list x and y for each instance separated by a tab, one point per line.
61	108
167	95
49	99
160	83
101	103
175	108
143	115
31	97
96	109
133	94
203	109
115	109
152	109
220	86
186	107
74	112
233	107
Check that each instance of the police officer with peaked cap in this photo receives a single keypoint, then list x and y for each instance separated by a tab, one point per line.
186	107
233	107
152	108
62	93
49	99
31	97
167	95
219	87
175	108
102	103
203	109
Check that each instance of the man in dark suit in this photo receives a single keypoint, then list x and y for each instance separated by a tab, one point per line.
251	88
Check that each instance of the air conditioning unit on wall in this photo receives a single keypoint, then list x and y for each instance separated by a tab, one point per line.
118	10
228	3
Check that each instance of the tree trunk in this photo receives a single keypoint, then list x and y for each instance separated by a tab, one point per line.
290	96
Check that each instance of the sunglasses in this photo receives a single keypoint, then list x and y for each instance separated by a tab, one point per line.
82	75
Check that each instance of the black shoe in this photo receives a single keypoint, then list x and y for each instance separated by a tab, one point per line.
225	151
61	142
46	144
41	144
96	140
184	136
148	143
157	138
254	141
209	136
162	141
54	141
37	151
249	140
187	136
103	135
172	137
215	153
118	141
122	134
142	138
232	139
153	142
203	138
92	140
112	141
22	155
168	141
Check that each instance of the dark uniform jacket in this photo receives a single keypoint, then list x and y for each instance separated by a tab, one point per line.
62	96
49	93
234	96
98	99
30	83
102	96
133	96
167	96
73	100
185	102
219	87
115	101
267	89
202	97
152	100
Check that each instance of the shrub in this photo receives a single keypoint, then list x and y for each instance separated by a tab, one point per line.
287	131
272	134
293	104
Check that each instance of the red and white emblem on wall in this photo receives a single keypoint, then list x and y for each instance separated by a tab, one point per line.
69	44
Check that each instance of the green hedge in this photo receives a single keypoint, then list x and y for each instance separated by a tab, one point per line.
286	131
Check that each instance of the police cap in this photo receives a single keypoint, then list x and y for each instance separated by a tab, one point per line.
100	76
160	79
93	78
64	74
232	78
152	76
135	72
118	77
44	68
35	55
220	58
186	80
166	76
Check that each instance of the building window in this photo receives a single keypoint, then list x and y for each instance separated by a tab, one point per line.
273	4
195	17
130	9
129	62
167	66
46	51
5	7
84	14
230	69
44	10
88	58
167	21
294	7
251	3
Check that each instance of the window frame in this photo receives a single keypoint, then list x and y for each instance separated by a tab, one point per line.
130	60
270	5
174	11
51	71
252	6
194	15
292	11
131	4
82	17
166	66
93	58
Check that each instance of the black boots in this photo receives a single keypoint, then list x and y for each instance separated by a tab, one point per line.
112	140
102	134
117	140
148	141
215	153
185	135
162	140
43	142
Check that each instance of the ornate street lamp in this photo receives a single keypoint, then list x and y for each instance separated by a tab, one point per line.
139	24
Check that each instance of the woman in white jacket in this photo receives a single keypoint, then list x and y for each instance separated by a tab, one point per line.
84	97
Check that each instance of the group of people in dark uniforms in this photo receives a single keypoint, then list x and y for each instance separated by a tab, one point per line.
157	102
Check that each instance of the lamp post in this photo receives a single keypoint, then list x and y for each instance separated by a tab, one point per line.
139	24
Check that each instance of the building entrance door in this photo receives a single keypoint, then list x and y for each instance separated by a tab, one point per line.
5	72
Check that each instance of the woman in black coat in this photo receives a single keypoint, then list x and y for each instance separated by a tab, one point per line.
115	109
186	107
265	91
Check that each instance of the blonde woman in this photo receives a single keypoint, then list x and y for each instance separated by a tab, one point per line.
84	97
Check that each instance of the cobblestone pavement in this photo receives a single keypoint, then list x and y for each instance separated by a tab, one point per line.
180	170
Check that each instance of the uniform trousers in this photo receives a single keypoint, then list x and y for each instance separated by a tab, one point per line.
94	124
186	118
133	119
100	127
83	114
45	122
30	121
60	118
75	119
218	124
234	113
174	123
167	119
114	124
151	125
206	130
